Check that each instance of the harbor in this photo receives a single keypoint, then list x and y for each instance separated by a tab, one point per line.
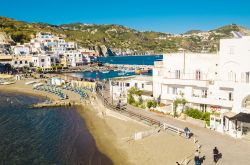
124	83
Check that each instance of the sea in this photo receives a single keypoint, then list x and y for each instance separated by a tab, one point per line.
131	60
124	60
46	136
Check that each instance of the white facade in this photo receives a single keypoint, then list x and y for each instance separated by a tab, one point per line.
19	61
74	58
46	50
21	50
120	86
42	61
210	82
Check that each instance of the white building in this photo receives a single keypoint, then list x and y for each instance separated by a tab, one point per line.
21	50
120	86
217	83
74	58
42	61
19	61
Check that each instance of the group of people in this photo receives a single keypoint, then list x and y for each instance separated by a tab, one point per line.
198	160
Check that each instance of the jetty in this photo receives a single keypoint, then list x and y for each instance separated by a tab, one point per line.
54	104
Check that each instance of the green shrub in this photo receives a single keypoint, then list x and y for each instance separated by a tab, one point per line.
131	99
142	106
135	91
136	104
151	103
196	114
140	100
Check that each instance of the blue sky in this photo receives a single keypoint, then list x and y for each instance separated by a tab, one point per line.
175	16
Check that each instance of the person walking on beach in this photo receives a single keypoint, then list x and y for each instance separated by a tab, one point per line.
215	154
187	132
197	158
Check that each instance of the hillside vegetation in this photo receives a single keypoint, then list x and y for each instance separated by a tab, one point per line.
117	37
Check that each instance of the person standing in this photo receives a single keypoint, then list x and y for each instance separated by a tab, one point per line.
215	154
187	132
197	157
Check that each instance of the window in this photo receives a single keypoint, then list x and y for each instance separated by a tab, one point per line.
203	107
230	96
15	62
21	62
204	93
247	77
142	85
174	91
136	85
42	60
177	74
197	74
127	84
26	62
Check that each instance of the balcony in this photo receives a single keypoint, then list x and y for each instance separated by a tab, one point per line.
187	79
201	100
211	101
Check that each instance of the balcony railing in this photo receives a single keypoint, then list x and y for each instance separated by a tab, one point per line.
186	76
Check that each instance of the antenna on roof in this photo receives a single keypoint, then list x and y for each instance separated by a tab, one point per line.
237	34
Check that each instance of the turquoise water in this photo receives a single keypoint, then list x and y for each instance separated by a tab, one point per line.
131	60
101	76
44	136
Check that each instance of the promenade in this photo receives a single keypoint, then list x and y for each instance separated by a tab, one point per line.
234	151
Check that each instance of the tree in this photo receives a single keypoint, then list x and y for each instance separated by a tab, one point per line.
135	91
131	99
178	101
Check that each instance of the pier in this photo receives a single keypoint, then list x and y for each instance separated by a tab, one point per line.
53	104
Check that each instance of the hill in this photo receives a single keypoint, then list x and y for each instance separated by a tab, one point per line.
120	38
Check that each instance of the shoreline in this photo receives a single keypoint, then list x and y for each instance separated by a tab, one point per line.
112	130
105	140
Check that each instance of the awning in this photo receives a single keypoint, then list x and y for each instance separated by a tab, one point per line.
229	114
242	117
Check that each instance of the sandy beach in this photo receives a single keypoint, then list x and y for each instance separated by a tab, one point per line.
112	133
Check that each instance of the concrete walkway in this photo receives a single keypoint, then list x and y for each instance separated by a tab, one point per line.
234	151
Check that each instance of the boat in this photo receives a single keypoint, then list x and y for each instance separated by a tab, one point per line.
7	83
105	72
121	73
37	85
30	82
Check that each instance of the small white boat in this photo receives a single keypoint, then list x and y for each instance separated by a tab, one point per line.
7	83
38	84
30	82
121	73
105	72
